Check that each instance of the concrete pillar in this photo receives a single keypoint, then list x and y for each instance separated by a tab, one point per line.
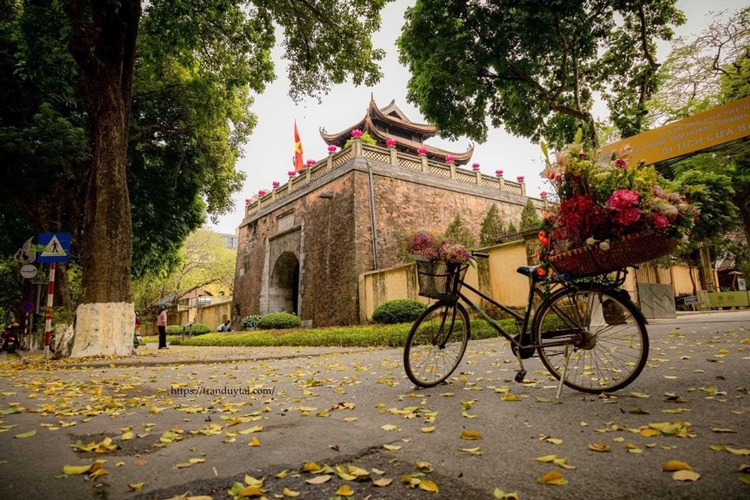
452	166
501	182
523	188
357	147
329	162
479	177
394	156
425	167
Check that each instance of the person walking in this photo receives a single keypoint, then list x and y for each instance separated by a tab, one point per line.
161	323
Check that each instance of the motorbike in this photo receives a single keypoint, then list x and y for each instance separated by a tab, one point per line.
11	339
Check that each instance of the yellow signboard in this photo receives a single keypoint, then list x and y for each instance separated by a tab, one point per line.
715	126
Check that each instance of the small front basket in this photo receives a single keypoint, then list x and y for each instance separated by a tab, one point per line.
439	279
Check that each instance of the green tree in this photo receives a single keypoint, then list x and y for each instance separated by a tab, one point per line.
533	66
512	228
203	260
457	232
529	217
492	227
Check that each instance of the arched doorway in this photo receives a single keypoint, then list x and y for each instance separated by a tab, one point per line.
284	290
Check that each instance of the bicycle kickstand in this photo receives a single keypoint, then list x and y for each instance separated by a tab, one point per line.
568	352
521	374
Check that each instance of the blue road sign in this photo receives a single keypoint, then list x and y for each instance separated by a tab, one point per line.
27	307
56	247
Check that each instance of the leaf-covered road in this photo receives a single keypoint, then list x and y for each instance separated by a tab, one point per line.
356	418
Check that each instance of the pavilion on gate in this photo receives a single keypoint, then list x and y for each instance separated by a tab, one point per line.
391	123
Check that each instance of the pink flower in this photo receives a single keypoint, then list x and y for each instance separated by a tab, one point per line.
620	163
475	166
543	194
660	220
552	173
261	193
520	178
628	216
622	199
311	162
356	133
659	192
561	158
247	201
499	172
291	173
449	159
391	143
332	148
625	151
275	184
422	151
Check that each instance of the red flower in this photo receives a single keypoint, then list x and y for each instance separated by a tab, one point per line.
332	148
660	221
422	151
275	184
391	143
356	133
627	216
620	163
622	198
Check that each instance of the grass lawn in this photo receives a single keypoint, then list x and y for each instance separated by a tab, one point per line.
349	336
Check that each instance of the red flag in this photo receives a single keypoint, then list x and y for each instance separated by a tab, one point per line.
297	150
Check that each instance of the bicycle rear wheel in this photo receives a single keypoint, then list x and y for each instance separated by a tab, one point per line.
604	332
436	343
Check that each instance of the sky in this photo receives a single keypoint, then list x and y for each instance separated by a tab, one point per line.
269	152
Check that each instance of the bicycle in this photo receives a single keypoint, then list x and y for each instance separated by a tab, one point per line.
588	333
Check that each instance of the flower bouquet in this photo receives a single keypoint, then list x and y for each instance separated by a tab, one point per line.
441	264
613	212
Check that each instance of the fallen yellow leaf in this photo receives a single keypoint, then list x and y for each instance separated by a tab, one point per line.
382	482
599	446
470	435
427	485
136	486
344	491
318	480
685	475
553	477
675	465
254	442
289	493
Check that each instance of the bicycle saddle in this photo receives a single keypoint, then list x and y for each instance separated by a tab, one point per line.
527	270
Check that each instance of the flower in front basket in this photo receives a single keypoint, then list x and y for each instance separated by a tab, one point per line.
454	252
622	198
628	216
620	163
604	245
660	221
422	244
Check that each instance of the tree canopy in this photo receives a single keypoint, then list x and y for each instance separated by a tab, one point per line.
533	66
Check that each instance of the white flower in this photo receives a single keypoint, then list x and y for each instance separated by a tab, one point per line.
684	238
604	245
590	241
674	197
667	209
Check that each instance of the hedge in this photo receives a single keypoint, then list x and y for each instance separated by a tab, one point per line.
398	311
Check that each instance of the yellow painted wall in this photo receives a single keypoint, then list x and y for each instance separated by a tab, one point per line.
508	287
377	287
400	282
681	279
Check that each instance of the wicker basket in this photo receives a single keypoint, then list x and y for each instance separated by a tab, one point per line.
632	249
439	279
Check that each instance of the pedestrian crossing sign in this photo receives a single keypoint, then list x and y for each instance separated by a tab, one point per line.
54	247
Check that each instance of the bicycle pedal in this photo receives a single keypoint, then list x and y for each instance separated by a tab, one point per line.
520	375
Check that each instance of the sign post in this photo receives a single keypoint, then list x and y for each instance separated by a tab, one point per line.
55	248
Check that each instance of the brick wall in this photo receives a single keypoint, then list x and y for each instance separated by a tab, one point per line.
336	232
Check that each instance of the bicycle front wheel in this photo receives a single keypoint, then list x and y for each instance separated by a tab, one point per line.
436	343
596	337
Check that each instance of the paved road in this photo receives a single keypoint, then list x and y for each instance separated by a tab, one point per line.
700	358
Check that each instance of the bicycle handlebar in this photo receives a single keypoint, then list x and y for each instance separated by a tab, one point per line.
481	254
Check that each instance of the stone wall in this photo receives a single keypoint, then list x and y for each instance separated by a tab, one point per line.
328	275
335	241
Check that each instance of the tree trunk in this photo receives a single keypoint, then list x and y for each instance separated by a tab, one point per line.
103	45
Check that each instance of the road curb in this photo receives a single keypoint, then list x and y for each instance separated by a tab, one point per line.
206	361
